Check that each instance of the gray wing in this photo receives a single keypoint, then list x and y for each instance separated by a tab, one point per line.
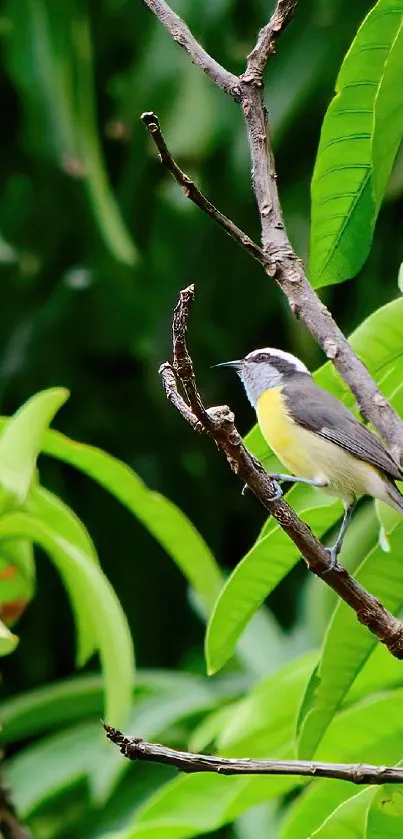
319	411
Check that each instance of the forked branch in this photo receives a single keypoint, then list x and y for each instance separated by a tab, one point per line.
278	257
219	424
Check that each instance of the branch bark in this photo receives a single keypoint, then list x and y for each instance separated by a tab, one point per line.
280	260
218	422
135	748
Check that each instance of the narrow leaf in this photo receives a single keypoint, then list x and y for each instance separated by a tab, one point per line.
99	605
360	137
340	663
270	559
20	444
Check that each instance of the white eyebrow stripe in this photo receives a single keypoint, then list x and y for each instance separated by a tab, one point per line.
287	356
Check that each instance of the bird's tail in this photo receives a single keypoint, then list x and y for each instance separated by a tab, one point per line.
394	497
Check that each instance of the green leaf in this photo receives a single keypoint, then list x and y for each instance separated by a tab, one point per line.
348	820
313	806
263	723
20	444
360	136
101	614
41	770
340	663
161	517
385	813
58	516
8	641
268	561
179	810
50	707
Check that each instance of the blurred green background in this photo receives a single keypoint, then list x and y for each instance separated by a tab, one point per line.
95	242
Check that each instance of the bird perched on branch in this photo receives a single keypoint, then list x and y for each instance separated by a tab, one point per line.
315	436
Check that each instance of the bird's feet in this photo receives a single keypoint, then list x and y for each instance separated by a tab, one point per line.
278	492
333	556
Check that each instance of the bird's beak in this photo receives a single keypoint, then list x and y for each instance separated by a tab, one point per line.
236	364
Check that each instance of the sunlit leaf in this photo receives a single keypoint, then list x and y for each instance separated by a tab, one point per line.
348	820
361	134
385	813
179	811
101	614
20	444
58	516
268	561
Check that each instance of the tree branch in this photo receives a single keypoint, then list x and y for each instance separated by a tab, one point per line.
265	44
278	257
134	748
183	36
219	423
194	194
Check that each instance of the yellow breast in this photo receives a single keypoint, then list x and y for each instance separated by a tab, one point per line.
285	438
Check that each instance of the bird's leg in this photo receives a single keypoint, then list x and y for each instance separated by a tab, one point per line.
335	550
315	482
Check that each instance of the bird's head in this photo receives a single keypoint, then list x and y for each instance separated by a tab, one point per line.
263	369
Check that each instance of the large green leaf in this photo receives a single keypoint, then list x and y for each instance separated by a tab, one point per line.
263	723
348	820
342	661
101	614
385	813
198	804
58	516
360	136
52	765
268	561
20	444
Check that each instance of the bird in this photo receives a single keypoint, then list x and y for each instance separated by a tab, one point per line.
315	436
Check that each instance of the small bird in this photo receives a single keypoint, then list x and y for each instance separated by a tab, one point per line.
315	436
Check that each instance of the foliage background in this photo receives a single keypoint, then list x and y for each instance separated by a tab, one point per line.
92	260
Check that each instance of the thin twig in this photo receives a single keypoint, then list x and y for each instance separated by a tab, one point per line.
183	36
219	423
279	259
135	748
265	44
192	191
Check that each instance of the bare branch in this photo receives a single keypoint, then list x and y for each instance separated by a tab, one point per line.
219	423
265	44
194	194
278	257
134	748
183	36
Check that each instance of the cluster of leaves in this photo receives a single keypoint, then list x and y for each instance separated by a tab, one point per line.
280	695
